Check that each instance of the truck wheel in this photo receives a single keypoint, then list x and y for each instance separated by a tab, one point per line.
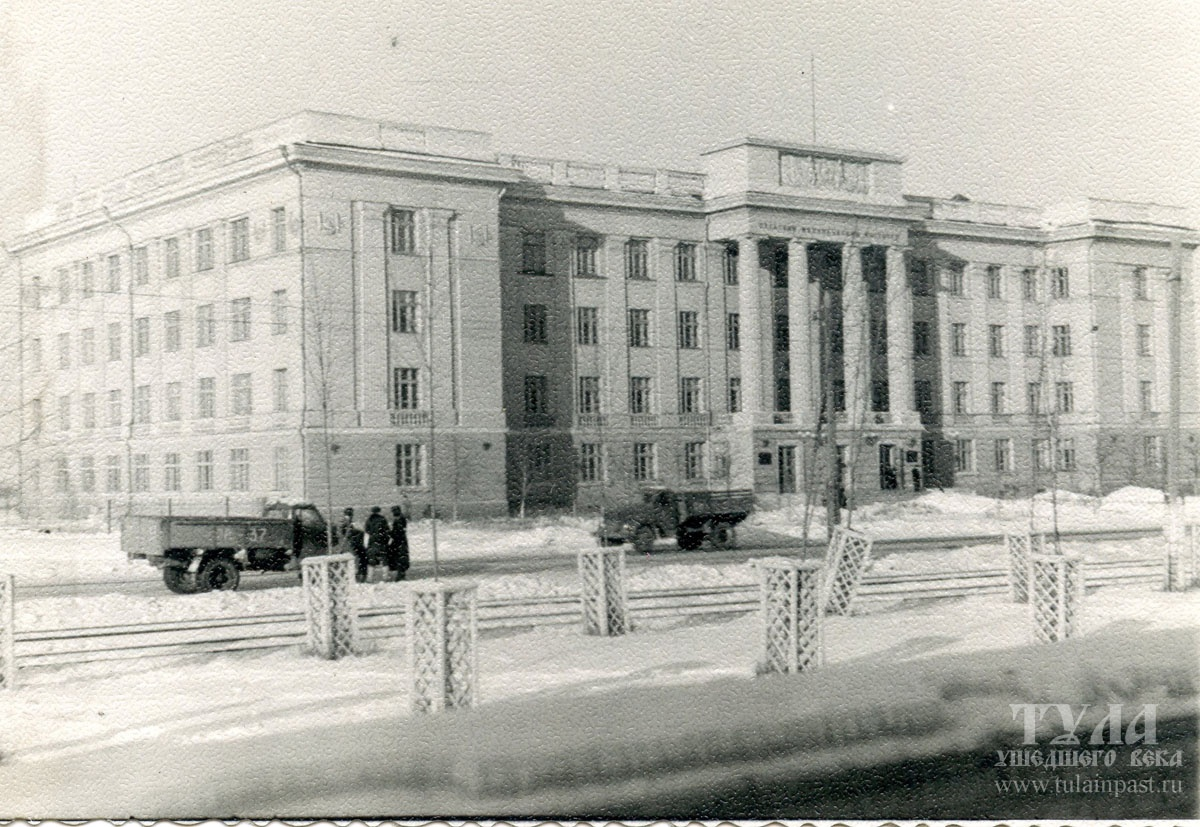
689	540
643	539
722	536
179	579
217	574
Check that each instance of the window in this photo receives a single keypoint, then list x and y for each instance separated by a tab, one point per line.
279	229
171	258
1062	339
64	285
141	472
408	464
685	261
171	476
64	412
206	325
241	400
1041	454
733	331
590	463
280	476
115	408
204	470
587	325
88	407
918	277
239	319
729	263
958	339
173	401
35	353
141	336
921	341
735	394
689	329
998	400
639	327
641	400
239	239
693	460
239	469
959	398
87	280
64	351
141	405
279	312
1002	454
1033	397
172	331
1033	340
114	341
995	283
690	399
87	474
206	397
533	252
964	455
1146	396
645	466
1152	452
141	266
585	255
1029	284
1064	453
402	231
1060	283
1064	397
537	399
589	395
404	311
535	324
1141	286
204	249
1143	339
279	389
996	341
637	259
404	389
62	475
112	473
35	413
114	274
954	279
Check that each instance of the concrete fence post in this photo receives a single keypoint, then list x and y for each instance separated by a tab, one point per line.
8	663
328	609
846	559
442	654
791	616
1056	584
602	591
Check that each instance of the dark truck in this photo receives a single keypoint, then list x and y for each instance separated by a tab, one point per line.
694	518
200	554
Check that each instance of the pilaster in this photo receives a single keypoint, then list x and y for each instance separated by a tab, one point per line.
856	354
900	339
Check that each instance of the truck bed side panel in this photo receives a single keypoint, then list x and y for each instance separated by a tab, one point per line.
228	532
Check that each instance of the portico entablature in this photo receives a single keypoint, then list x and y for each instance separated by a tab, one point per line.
808	227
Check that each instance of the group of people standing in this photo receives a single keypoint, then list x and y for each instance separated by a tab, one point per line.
377	544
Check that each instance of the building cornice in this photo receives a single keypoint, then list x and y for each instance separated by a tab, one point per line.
613	199
773	201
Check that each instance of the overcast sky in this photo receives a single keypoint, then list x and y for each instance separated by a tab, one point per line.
1022	102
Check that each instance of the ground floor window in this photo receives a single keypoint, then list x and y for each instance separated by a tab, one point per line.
408	464
239	469
964	455
1002	450
693	460
141	472
590	462
171	478
644	465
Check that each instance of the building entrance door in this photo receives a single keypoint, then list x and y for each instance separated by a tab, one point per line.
787	469
889	472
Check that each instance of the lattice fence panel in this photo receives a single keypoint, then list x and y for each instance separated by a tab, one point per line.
1056	584
8	663
1181	556
1020	548
442	653
846	559
790	593
328	608
602	591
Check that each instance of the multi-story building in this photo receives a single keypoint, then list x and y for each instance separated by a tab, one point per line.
336	309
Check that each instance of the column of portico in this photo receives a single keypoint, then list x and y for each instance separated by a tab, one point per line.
804	345
754	352
855	353
899	339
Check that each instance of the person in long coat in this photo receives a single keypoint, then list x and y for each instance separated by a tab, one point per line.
351	542
397	554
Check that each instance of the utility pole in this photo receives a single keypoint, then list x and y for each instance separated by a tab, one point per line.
833	473
1175	545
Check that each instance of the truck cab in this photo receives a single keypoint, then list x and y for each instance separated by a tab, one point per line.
310	531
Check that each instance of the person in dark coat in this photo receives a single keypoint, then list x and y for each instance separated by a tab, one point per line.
397	552
377	537
351	542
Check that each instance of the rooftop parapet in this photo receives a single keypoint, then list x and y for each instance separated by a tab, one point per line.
1083	210
557	172
984	212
